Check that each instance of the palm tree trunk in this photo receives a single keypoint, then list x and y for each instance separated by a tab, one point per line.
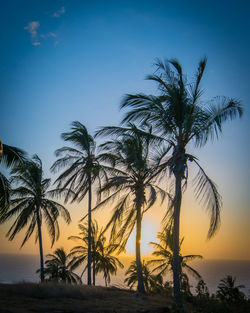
176	241
94	266
40	242
140	286
105	277
89	230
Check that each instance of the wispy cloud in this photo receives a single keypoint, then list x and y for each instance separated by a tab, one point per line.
59	12
32	28
37	37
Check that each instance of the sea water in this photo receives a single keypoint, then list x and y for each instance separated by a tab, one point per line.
17	268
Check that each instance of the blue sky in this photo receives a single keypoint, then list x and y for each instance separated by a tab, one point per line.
74	60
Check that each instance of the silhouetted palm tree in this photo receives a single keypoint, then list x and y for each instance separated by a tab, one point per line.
179	115
228	292
151	281
80	252
135	185
60	267
9	157
30	205
164	253
83	169
103	260
106	262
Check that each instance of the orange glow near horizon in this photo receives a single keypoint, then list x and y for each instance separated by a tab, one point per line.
226	244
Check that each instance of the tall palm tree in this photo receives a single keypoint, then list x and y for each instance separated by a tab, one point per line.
135	185
30	205
164	253
103	260
179	115
83	169
60	267
9	157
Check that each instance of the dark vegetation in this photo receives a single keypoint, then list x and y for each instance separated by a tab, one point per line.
126	172
68	298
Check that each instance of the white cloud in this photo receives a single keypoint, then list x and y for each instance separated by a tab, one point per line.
32	28
36	43
59	12
36	36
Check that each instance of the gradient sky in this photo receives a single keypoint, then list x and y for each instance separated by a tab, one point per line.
74	60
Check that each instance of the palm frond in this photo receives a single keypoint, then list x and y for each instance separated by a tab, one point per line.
206	191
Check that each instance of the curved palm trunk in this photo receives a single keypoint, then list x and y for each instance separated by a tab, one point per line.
40	242
140	286
89	231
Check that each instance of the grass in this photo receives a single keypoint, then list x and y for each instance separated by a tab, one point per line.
60	298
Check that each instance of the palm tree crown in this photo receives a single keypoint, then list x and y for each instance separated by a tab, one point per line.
164	253
103	259
9	157
31	204
228	292
151	282
60	267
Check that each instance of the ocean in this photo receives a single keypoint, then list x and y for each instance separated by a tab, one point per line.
17	268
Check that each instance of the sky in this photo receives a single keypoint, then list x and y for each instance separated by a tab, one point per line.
74	60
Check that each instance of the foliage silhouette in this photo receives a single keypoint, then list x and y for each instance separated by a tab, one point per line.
152	283
83	169
179	115
228	292
103	260
9	157
134	186
60	267
31	204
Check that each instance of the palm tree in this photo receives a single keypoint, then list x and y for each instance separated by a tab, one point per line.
83	169
60	267
151	281
134	185
30	204
179	115
80	252
103	260
164	253
9	156
228	292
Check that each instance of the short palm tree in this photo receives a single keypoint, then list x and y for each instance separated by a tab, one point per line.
179	115
106	262
102	258
9	157
151	281
60	267
134	186
31	205
164	253
80	252
83	169
228	292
